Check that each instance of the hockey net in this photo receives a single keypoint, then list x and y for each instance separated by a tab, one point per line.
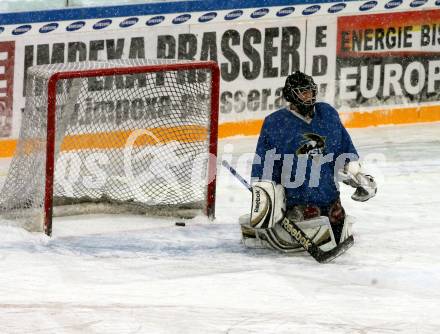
116	136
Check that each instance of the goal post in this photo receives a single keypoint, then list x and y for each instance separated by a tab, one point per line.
135	135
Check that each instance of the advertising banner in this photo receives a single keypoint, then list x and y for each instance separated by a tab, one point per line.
388	59
364	55
254	57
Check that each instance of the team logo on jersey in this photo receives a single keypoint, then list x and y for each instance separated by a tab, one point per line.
312	145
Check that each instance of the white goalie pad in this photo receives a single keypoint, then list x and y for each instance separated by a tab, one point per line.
347	228
262	227
268	204
318	229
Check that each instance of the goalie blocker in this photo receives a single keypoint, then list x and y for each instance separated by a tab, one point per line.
267	227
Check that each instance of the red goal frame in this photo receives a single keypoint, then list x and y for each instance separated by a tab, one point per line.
51	120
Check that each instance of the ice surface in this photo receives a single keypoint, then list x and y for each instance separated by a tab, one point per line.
132	274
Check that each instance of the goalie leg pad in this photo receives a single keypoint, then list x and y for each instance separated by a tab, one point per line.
262	227
318	229
268	207
346	229
268	204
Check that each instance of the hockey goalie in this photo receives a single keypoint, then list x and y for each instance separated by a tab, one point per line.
303	151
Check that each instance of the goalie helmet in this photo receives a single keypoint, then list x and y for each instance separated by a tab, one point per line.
300	90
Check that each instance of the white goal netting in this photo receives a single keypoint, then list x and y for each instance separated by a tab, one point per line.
137	140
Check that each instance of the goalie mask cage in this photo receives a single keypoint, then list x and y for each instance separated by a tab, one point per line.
115	136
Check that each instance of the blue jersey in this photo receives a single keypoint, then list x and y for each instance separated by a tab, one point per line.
289	152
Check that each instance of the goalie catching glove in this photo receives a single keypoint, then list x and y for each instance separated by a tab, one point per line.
262	228
365	185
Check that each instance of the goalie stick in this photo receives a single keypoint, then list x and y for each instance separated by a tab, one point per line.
298	234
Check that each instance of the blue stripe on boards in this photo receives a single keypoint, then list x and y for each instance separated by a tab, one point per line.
147	9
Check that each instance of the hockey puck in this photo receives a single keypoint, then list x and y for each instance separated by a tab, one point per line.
180	224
